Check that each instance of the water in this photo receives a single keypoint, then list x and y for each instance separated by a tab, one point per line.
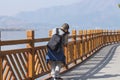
18	35
40	32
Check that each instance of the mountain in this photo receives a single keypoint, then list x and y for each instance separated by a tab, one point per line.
7	22
86	13
83	15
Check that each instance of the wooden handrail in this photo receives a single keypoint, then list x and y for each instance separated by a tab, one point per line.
14	42
32	58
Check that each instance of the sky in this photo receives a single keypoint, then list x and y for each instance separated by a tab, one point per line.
12	7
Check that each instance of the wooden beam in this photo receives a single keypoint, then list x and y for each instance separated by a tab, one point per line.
30	35
1	75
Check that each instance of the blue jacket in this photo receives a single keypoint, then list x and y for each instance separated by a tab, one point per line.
58	55
55	55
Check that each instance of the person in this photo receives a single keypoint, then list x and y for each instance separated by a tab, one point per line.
56	58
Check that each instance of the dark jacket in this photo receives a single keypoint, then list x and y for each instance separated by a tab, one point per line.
57	55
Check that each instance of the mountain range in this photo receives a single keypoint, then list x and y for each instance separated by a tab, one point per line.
84	15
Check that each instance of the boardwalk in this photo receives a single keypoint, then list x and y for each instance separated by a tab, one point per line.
104	65
29	63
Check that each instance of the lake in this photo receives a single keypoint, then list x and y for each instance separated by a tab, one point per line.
17	35
40	32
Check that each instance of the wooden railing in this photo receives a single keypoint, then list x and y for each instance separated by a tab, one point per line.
29	63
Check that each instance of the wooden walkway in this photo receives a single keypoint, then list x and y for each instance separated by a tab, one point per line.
103	65
29	63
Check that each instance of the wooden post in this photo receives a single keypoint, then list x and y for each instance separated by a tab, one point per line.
30	36
74	40
50	33
66	54
89	41
81	44
1	74
114	35
66	51
98	39
117	35
108	36
92	40
101	38
94	35
1	66
84	43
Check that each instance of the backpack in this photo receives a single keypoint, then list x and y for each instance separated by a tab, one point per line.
54	42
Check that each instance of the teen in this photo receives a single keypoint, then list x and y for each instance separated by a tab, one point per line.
55	56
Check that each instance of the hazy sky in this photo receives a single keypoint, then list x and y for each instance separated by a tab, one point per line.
11	7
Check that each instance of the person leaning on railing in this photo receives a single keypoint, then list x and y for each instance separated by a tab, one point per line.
55	55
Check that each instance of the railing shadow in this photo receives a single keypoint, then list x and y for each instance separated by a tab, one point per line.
93	65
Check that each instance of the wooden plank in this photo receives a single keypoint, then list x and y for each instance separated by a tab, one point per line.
36	57
22	62
40	47
40	59
38	68
66	52
1	67
9	76
14	66
30	35
81	47
15	51
19	66
42	39
71	36
13	74
74	45
14	42
36	64
25	56
4	64
6	72
44	59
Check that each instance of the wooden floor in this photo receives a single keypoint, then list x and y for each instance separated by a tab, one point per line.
104	65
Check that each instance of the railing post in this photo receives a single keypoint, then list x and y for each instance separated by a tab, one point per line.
89	41
117	35
105	37
74	40
50	33
1	74
92	40
81	43
101	38
30	36
85	42
110	36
